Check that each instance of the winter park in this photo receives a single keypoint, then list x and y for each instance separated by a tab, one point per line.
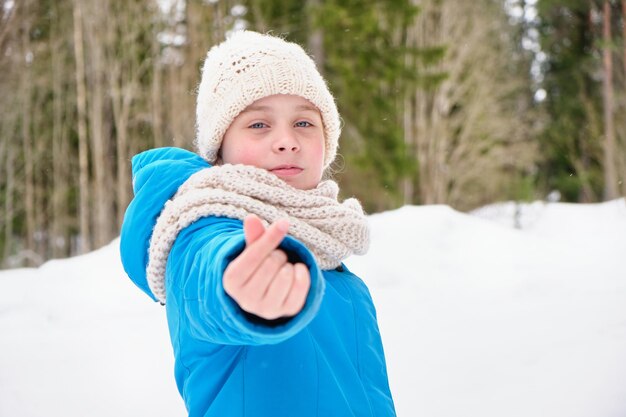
313	208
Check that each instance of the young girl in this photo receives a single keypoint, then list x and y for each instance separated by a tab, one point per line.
243	243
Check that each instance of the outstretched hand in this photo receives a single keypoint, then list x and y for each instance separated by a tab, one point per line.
261	279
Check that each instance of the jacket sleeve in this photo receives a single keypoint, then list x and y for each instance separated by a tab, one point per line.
157	174
195	294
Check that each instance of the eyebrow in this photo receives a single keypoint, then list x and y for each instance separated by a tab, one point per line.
268	108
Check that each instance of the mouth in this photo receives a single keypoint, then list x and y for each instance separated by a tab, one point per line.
286	170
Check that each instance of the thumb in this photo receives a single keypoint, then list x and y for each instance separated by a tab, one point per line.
252	228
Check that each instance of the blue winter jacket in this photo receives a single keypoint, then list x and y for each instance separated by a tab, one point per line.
326	361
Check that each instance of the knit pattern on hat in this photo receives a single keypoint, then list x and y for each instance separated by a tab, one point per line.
249	66
332	231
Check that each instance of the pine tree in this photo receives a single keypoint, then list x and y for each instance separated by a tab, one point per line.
578	137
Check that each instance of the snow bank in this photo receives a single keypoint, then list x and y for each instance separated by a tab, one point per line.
478	319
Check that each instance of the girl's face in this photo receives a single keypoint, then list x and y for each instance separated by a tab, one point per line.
282	134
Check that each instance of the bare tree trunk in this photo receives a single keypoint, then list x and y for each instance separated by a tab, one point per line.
315	42
580	155
121	91
624	38
623	147
427	121
408	120
27	143
39	145
8	202
96	105
156	95
610	171
84	241
408	190
11	113
123	176
58	226
261	25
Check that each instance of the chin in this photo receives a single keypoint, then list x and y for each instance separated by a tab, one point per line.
298	185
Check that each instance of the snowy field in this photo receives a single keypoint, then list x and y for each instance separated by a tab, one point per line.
478	319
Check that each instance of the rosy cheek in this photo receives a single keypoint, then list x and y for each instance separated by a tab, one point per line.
242	155
319	155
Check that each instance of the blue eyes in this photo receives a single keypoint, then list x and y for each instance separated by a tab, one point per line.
261	125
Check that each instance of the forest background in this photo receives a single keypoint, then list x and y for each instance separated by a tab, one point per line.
451	102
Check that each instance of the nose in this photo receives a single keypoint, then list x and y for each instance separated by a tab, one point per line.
286	140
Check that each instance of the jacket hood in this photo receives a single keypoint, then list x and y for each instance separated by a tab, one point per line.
157	174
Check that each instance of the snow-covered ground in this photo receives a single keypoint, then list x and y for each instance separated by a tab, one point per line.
478	319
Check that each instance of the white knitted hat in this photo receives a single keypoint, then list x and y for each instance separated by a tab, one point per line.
247	67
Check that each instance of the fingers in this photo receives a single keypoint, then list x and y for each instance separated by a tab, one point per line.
261	279
299	289
255	253
286	293
252	228
279	294
278	290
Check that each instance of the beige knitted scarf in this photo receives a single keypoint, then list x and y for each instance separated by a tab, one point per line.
332	231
